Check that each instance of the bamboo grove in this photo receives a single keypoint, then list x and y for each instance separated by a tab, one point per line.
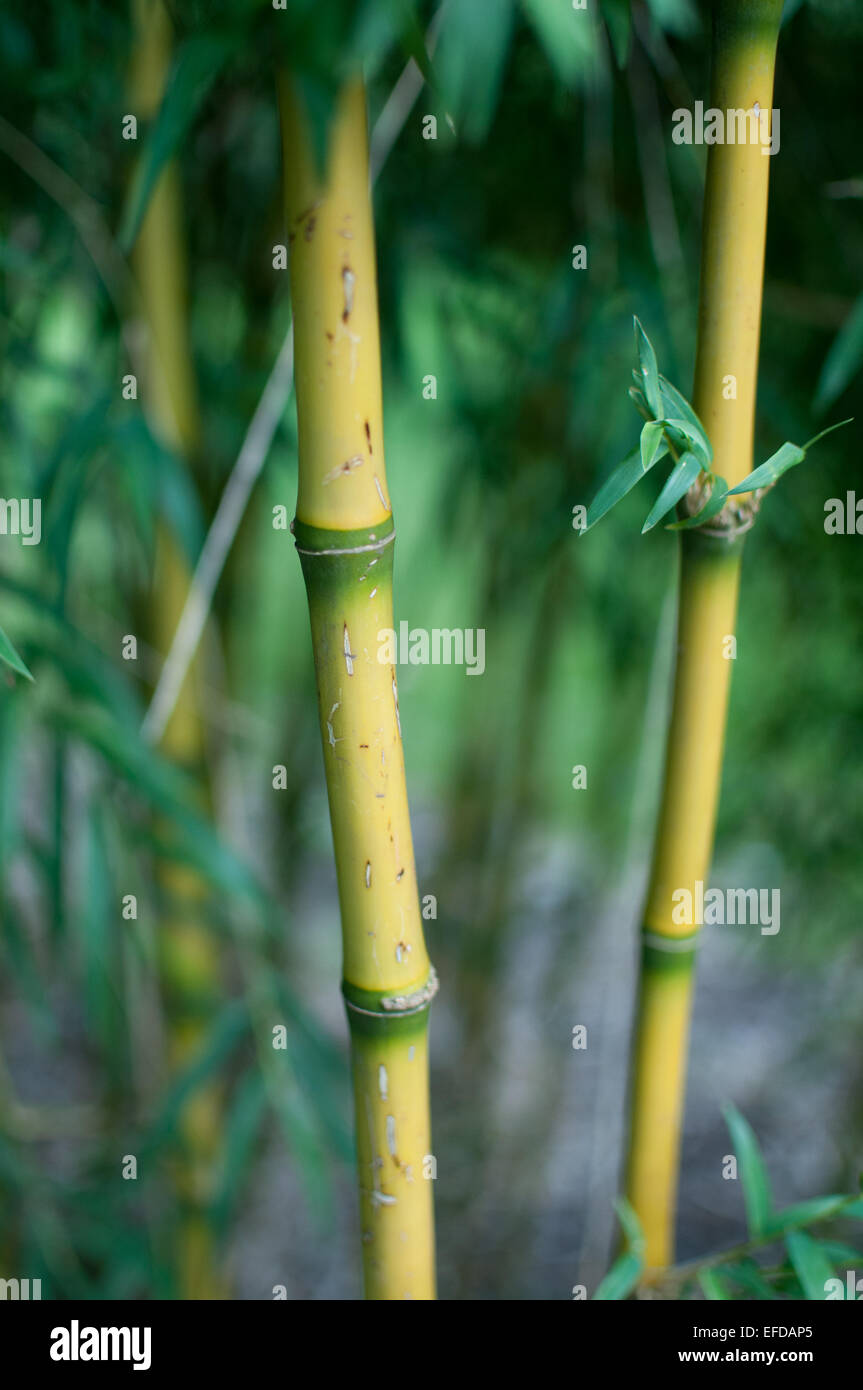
367	276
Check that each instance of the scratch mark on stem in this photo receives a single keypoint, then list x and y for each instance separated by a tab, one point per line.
384	503
343	469
396	701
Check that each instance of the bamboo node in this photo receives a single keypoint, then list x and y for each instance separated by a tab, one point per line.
400	1005
655	941
734	520
374	544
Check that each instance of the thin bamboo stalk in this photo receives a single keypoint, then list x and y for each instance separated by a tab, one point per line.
745	34
188	959
344	534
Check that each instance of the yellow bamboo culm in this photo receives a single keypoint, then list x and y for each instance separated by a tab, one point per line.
188	960
745	34
344	534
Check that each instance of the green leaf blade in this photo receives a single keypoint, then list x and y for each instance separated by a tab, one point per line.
788	456
753	1174
712	1286
807	1213
618	22
616	486
811	1264
649	370
10	657
652	444
627	1269
713	505
198	63
470	60
677	484
843	361
675	405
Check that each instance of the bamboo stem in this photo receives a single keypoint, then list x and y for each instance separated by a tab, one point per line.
188	959
344	535
735	217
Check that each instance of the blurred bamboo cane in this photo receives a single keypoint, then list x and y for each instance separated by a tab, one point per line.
188	958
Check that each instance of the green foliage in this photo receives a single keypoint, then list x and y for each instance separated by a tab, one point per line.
477	287
752	1173
627	1269
10	657
567	36
788	456
809	1263
843	361
678	482
672	427
198	62
618	19
470	60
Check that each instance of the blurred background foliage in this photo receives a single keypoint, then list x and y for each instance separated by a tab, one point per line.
553	130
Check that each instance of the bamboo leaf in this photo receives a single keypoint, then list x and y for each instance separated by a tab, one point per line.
677	16
626	1271
242	1128
470	59
631	1226
747	1274
10	657
753	1174
714	504
621	1279
843	361
413	40
806	1213
618	21
620	482
841	1254
649	370
223	1037
711	1285
829	430
653	445
678	482
686	439
675	404
811	1264
193	839
566	35
198	63
788	456
102	977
